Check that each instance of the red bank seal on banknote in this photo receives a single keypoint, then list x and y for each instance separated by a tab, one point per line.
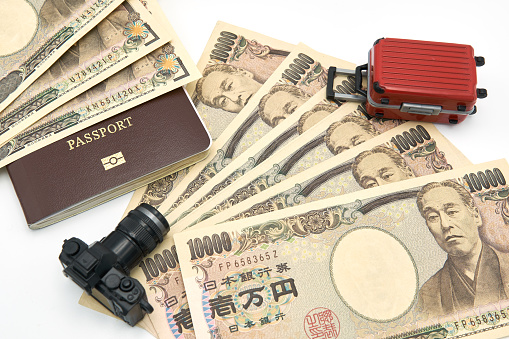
321	323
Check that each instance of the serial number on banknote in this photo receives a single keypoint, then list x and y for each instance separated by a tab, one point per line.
473	322
253	259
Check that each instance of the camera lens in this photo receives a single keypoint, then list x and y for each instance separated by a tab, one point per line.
137	235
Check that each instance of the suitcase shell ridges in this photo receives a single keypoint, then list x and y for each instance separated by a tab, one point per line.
424	72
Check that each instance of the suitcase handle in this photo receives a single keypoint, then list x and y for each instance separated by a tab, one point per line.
331	95
358	79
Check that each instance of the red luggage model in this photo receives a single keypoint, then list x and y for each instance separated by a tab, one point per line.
416	80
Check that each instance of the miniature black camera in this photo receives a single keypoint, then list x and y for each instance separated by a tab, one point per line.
102	269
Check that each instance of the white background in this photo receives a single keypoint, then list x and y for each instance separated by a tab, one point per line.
38	302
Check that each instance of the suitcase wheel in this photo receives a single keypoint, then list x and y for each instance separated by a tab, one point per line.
479	61
482	93
377	88
453	121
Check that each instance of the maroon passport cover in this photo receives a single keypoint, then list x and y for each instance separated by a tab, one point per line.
150	136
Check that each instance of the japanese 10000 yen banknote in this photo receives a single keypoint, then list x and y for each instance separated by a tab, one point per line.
299	77
159	72
35	33
240	61
382	160
269	165
422	258
127	34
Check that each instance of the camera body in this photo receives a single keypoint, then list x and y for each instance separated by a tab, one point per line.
96	270
103	268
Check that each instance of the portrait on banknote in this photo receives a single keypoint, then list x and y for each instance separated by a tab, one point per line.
233	74
280	102
227	87
380	166
349	132
314	116
474	273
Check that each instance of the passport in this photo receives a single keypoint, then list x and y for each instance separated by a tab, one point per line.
108	159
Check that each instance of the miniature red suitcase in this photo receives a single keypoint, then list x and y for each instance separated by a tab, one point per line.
419	80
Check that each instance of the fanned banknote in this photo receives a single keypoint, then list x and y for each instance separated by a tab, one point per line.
36	33
421	258
167	68
299	77
243	58
169	292
329	137
123	37
385	159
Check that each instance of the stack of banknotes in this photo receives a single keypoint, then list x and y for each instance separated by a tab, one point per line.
311	220
308	219
73	63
